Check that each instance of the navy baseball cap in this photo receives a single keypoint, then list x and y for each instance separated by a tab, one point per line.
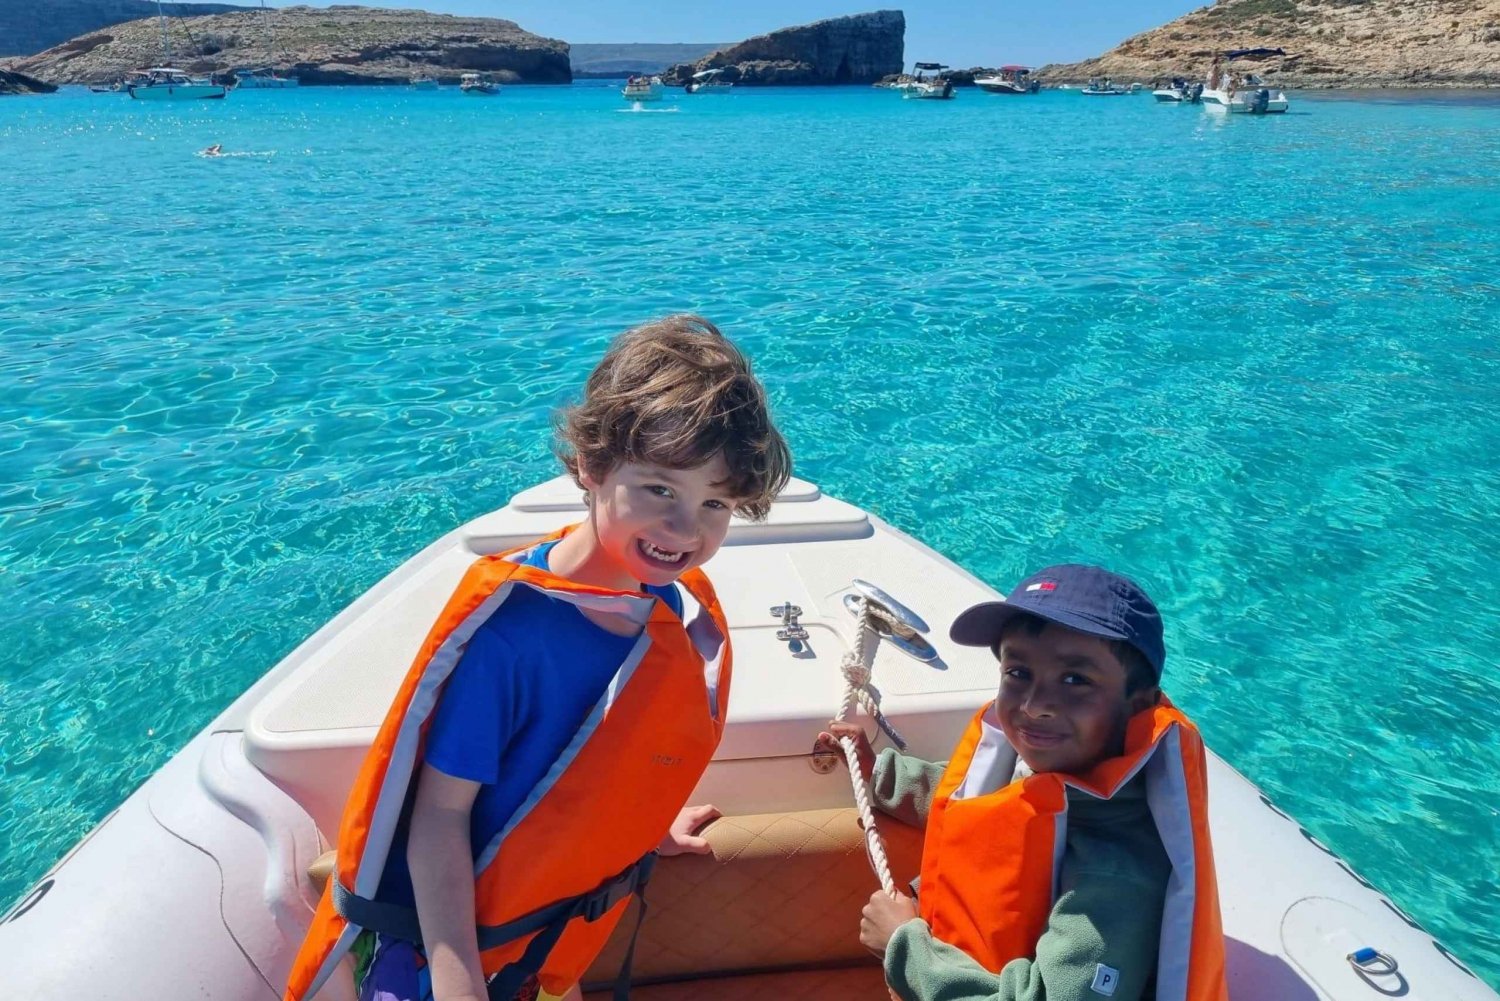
1089	599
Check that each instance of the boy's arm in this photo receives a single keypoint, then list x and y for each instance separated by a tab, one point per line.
1092	932
442	878
902	786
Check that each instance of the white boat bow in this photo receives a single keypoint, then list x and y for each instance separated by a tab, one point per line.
198	885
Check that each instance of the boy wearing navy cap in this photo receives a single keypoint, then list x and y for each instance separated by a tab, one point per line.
1066	853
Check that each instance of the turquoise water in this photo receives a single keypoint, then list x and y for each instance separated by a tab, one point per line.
1251	362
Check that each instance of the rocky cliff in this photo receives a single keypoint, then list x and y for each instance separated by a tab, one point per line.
1328	43
860	48
15	83
339	45
28	26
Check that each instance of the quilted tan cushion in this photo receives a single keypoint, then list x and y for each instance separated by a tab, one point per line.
779	891
858	983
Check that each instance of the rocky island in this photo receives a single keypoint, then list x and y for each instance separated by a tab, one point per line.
16	83
860	48
337	45
1328	43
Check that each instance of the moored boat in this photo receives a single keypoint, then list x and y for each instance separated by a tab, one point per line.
1010	80
642	88
709	81
1229	91
202	883
1179	92
478	85
164	83
265	78
1103	87
937	87
423	81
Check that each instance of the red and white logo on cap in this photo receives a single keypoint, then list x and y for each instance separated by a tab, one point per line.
1045	585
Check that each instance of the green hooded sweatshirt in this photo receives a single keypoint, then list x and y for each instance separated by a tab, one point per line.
1102	936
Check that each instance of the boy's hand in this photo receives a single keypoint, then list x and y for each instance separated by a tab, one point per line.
681	839
828	741
881	917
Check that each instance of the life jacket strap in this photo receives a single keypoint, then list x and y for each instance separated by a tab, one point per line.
547	923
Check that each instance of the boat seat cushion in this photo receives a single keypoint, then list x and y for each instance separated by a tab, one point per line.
778	892
848	983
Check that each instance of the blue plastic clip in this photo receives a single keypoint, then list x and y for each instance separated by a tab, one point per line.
1372	962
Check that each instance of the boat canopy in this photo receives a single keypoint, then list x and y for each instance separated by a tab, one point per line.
931	66
1016	69
1253	53
707	74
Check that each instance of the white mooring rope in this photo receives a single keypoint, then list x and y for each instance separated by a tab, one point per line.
857	694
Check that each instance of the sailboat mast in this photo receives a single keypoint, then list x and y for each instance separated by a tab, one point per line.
265	15
166	40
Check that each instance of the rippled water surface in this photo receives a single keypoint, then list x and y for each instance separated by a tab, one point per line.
1251	362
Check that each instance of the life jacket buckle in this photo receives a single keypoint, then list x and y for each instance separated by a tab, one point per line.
598	903
603	899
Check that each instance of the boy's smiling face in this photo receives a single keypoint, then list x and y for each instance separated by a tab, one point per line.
654	523
1062	701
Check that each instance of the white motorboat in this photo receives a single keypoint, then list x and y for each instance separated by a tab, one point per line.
1179	92
478	85
936	87
1010	80
1231	92
423	81
199	884
1103	87
642	88
1246	96
709	82
164	83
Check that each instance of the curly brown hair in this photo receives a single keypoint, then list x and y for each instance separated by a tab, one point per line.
674	393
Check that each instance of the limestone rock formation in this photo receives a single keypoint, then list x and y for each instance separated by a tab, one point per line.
1328	43
860	48
16	83
338	45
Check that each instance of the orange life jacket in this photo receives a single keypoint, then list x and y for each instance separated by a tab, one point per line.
606	802
993	849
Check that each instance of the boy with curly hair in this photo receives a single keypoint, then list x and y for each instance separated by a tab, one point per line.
564	705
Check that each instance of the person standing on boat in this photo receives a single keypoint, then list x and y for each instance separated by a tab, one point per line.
564	705
1066	854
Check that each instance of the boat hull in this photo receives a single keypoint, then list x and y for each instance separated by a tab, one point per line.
1004	88
186	92
1241	103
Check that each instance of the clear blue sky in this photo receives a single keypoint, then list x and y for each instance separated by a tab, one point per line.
958	32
